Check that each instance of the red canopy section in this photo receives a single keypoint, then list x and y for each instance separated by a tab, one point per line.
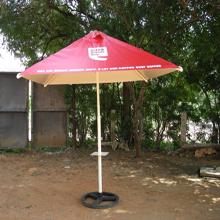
115	61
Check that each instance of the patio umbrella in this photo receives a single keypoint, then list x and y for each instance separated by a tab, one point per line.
98	58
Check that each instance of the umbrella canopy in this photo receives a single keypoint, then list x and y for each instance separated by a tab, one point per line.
115	61
98	58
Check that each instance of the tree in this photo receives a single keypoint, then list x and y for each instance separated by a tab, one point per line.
84	105
204	69
155	27
165	98
37	28
137	102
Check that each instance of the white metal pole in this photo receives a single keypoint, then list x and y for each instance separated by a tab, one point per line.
99	135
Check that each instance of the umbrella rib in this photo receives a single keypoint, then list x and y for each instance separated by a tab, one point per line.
144	78
49	80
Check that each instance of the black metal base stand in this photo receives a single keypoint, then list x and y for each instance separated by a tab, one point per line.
98	200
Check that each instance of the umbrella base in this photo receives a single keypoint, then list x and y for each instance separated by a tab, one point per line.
98	200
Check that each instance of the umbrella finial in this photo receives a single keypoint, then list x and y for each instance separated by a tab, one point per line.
94	34
18	76
181	69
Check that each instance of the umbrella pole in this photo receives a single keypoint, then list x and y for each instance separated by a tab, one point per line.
99	196
99	135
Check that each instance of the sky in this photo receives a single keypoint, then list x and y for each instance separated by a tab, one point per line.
7	60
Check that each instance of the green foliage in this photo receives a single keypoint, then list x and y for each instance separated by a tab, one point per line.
85	105
16	151
163	107
89	141
163	144
203	69
51	148
38	28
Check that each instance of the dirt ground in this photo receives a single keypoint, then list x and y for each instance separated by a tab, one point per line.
48	185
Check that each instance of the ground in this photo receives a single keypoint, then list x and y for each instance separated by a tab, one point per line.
48	185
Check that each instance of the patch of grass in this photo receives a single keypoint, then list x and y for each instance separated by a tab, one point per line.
89	141
164	144
86	143
5	151
151	145
70	143
51	148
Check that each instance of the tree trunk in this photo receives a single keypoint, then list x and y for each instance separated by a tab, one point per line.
80	129
200	146
218	134
73	118
126	112
214	130
135	130
126	101
157	145
141	126
137	105
104	113
183	129
158	140
161	125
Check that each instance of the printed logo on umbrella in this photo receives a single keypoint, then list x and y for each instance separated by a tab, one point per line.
98	53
